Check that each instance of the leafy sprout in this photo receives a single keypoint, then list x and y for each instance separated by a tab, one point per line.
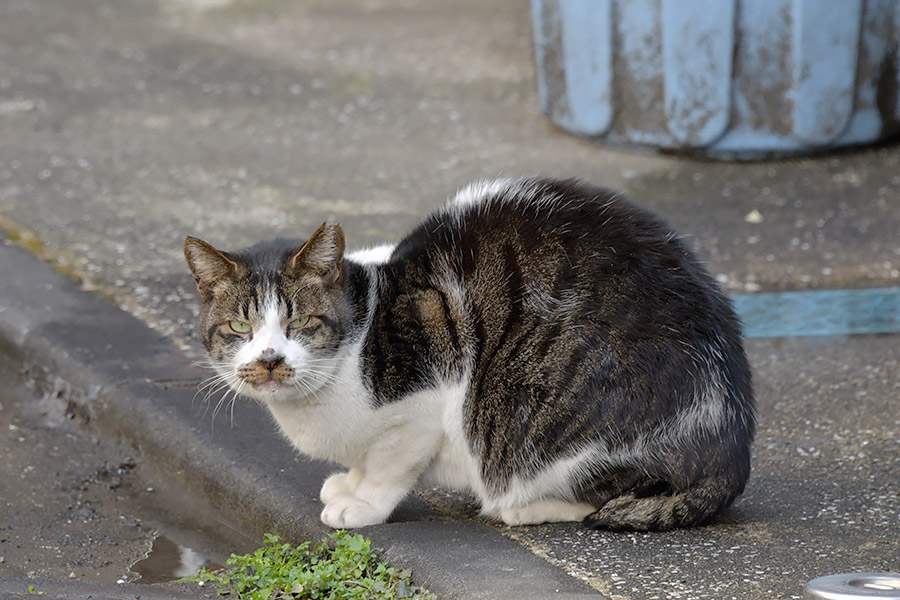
342	566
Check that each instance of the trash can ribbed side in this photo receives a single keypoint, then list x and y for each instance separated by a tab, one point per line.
721	77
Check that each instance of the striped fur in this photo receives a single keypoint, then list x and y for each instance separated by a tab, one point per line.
544	344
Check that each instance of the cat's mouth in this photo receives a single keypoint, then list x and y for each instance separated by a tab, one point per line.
266	377
269	384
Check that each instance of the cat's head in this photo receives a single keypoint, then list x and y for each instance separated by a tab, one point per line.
274	315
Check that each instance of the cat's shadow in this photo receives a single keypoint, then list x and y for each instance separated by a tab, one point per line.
434	502
429	503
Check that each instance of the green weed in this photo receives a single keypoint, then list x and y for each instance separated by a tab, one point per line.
342	566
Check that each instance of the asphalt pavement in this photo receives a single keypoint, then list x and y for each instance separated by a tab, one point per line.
126	125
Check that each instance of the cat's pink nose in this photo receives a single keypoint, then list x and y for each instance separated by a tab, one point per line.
270	360
270	365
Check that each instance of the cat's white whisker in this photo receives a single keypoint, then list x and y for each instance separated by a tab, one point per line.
229	398
209	364
306	390
237	392
221	401
220	385
209	395
321	376
227	382
303	385
213	381
217	407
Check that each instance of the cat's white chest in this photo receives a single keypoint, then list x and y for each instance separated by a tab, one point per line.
329	433
343	424
333	424
453	466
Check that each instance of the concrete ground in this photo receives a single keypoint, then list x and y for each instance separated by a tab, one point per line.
126	125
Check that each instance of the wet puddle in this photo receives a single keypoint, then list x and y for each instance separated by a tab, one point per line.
169	560
189	535
821	312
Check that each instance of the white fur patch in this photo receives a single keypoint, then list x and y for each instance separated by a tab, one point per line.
546	511
454	465
376	255
268	334
479	191
503	190
552	482
707	412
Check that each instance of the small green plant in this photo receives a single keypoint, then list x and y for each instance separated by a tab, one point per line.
342	566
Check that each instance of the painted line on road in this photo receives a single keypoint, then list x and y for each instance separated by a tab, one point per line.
820	312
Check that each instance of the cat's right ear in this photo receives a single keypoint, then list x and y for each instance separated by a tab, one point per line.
322	254
208	266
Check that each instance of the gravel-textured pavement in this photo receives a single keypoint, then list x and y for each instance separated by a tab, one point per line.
126	125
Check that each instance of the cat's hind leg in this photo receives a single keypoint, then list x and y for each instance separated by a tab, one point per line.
546	511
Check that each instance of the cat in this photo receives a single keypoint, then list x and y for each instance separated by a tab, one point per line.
544	344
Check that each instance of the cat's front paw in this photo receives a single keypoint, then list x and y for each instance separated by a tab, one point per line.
339	484
349	512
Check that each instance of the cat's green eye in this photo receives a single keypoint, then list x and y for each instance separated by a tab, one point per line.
239	327
299	322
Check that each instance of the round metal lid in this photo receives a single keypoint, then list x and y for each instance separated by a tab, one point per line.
854	586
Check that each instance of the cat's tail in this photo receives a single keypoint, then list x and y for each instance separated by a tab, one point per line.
638	511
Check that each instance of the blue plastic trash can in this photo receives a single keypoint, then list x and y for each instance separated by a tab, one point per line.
731	78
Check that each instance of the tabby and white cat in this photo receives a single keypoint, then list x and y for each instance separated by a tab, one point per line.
544	344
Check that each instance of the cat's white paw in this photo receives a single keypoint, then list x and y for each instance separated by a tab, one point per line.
339	484
546	511
349	512
520	515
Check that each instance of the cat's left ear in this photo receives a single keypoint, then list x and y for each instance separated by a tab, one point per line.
323	254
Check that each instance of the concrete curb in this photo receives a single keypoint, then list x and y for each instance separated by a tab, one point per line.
47	589
138	388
